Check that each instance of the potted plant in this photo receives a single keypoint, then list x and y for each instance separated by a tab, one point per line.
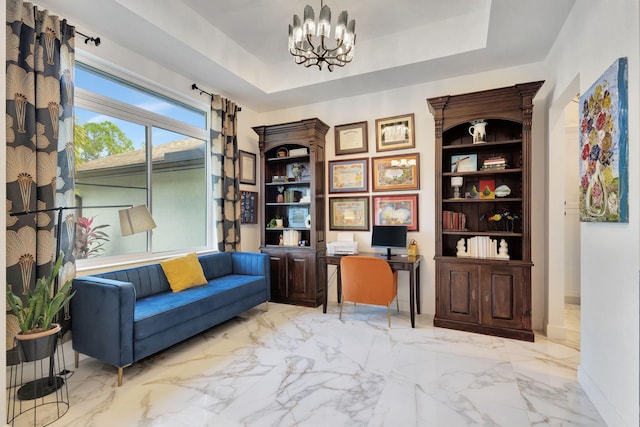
36	314
90	239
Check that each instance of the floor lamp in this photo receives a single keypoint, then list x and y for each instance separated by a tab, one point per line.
133	219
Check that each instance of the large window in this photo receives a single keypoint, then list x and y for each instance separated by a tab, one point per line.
133	147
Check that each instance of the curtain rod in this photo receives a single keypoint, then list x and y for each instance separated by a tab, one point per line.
87	39
195	87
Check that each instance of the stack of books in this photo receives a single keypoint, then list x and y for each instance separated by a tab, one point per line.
496	162
454	220
290	237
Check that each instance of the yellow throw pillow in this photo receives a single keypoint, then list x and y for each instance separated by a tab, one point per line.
183	272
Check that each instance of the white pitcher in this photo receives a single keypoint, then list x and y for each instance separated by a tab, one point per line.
478	131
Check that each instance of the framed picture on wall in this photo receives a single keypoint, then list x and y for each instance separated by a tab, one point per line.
351	138
395	133
248	207
396	210
348	176
391	173
349	213
247	162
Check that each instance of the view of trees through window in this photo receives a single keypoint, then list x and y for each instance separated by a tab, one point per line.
134	147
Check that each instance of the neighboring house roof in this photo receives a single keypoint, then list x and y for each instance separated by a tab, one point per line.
174	151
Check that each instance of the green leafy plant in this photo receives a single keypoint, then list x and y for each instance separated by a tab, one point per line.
37	311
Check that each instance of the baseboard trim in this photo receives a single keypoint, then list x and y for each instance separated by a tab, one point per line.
570	299
599	400
555	331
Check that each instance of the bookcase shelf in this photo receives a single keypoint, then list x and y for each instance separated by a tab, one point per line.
487	294
299	203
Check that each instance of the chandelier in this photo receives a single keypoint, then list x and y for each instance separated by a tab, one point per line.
307	41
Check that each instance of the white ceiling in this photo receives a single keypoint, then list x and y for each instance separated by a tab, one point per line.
239	47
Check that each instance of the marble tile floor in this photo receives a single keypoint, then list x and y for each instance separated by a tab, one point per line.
295	366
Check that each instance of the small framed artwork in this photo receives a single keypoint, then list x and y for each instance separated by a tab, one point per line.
464	163
247	163
348	176
349	213
351	138
487	189
395	133
396	210
248	204
391	173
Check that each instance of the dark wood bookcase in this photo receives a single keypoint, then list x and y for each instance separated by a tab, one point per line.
484	292
299	203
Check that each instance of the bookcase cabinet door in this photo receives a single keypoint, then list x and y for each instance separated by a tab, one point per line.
505	298
458	292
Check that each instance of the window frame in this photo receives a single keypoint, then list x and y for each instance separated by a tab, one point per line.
104	105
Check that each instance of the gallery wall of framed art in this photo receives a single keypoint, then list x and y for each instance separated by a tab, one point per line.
392	173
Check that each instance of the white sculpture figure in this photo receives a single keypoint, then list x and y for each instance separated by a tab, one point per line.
461	249
503	252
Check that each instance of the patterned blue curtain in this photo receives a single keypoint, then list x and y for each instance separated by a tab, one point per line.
39	130
224	170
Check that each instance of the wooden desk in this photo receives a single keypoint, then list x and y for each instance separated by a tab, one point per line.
397	262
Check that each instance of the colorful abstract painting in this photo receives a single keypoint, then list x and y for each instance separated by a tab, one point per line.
603	147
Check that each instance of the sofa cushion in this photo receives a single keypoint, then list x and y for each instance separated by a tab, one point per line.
159	312
147	280
183	272
216	264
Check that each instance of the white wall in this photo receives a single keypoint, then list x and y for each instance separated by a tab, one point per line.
412	99
594	36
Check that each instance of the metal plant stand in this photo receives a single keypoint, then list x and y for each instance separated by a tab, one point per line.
38	389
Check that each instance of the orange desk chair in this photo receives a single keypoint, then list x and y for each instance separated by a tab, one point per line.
368	280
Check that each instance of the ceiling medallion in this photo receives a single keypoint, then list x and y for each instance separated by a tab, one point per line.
307	41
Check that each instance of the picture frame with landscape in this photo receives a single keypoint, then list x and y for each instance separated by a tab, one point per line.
464	163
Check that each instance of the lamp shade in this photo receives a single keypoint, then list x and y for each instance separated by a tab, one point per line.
456	181
135	220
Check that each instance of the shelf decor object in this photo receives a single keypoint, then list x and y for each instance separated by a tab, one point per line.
483	240
292	167
456	183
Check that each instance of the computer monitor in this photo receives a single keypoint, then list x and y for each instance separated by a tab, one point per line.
389	236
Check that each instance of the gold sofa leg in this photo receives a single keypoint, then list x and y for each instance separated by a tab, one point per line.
266	304
76	357
120	376
389	314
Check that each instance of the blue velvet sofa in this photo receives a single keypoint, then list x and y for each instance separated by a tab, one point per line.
120	317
